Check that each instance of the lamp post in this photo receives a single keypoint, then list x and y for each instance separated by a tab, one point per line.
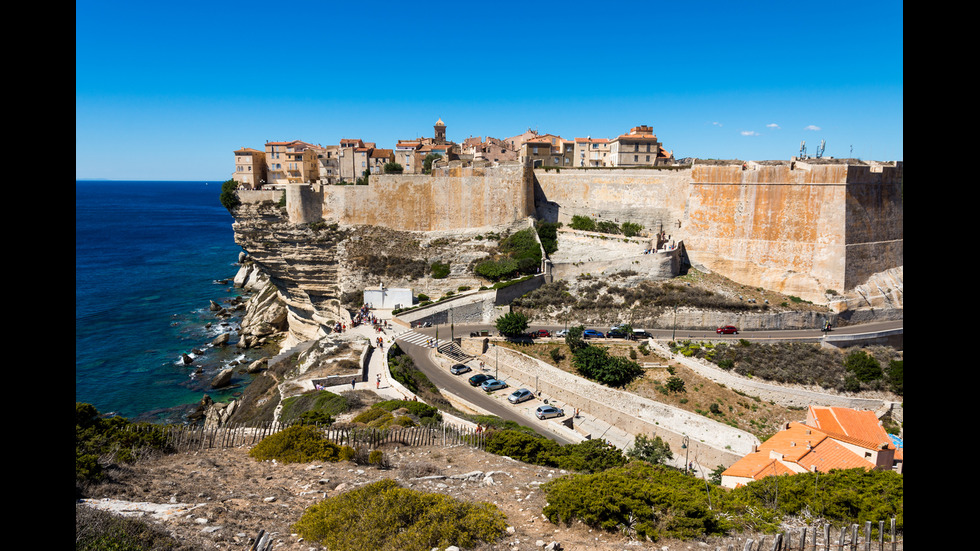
687	451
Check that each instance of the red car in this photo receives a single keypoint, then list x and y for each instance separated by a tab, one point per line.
727	330
540	333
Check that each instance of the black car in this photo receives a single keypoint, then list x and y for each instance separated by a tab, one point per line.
477	380
616	334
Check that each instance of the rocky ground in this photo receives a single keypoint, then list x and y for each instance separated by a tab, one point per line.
222	498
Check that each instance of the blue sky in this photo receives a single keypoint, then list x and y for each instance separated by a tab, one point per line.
167	91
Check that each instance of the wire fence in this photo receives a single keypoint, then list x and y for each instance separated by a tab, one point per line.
825	538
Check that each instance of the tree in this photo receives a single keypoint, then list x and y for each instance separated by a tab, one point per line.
229	195
652	450
427	162
512	324
595	363
393	168
574	338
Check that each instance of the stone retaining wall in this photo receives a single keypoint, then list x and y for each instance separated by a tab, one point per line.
711	443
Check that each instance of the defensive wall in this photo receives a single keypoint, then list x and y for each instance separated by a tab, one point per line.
798	227
451	198
711	443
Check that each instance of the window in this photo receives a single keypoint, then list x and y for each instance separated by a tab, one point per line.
636	158
648	158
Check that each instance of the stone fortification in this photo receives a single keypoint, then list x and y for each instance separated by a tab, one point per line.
795	227
453	198
800	228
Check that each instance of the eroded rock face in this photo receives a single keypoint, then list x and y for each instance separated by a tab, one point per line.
304	275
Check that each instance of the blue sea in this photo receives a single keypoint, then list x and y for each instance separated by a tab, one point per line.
149	258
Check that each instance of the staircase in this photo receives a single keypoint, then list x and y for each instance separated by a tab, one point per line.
452	351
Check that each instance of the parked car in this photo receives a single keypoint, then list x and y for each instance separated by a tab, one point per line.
592	334
727	330
457	369
616	334
520	395
547	412
562	333
492	384
641	334
540	333
478	379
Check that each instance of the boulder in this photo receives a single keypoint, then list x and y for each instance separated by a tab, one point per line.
186	359
215	307
222	379
222	339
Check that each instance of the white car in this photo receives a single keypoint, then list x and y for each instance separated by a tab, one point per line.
562	333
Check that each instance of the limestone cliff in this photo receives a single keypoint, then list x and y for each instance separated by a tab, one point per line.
316	271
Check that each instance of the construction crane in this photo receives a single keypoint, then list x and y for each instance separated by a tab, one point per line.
823	145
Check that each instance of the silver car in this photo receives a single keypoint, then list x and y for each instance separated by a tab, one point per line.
547	412
520	395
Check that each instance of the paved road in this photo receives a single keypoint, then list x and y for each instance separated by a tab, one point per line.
458	385
445	332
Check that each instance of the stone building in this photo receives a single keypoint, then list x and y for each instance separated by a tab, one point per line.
293	162
250	169
638	148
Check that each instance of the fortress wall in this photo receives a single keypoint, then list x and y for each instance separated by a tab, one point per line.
875	222
653	198
775	226
455	199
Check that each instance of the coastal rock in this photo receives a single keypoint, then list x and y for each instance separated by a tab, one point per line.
257	366
218	414
186	359
215	307
222	339
222	379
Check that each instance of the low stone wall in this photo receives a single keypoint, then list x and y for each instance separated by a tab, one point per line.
711	443
259	195
478	307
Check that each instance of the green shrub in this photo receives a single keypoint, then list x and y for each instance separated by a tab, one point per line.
439	270
596	363
582	223
313	406
101	440
296	444
523	446
229	195
418	409
652	450
650	501
512	324
386	517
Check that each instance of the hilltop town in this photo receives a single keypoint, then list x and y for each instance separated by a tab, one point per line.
294	162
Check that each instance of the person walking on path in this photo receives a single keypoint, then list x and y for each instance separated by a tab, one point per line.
378	385
352	381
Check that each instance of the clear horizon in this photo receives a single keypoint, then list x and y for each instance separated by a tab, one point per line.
168	92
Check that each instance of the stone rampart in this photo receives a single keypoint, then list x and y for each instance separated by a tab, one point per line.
712	443
454	199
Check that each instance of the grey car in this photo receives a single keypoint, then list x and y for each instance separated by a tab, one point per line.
520	395
547	412
493	384
459	368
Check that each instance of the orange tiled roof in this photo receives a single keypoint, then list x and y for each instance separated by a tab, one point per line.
860	427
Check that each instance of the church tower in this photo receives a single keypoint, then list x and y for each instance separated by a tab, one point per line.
440	132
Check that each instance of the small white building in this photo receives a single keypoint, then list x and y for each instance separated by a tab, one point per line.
385	298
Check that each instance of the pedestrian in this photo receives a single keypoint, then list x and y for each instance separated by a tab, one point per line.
352	382
378	385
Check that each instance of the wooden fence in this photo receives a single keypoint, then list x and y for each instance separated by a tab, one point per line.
849	538
186	438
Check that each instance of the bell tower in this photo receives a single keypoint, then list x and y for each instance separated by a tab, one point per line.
440	132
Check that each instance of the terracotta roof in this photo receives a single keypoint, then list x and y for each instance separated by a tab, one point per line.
248	150
859	427
595	140
809	448
381	153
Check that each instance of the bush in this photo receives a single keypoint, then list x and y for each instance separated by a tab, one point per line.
229	195
439	270
100	440
386	517
97	530
313	407
393	168
864	367
649	501
595	363
296	444
582	223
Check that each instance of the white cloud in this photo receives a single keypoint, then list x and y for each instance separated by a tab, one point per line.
749	133
716	124
812	127
773	125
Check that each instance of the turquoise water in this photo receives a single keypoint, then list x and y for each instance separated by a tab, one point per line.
147	258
